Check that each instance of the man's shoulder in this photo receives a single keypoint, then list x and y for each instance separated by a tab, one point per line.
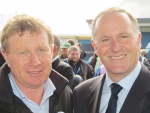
62	62
83	62
88	83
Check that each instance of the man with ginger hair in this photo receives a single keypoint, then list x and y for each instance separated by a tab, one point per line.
124	88
28	84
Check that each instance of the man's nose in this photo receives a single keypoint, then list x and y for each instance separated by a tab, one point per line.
34	59
115	45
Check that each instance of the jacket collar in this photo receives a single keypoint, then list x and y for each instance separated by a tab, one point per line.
93	96
139	96
137	100
55	63
59	81
6	92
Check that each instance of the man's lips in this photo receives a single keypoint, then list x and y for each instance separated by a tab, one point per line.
117	57
34	72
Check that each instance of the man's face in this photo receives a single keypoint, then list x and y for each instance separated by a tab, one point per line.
117	45
64	51
74	56
29	59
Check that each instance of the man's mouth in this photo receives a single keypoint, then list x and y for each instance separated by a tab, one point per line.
117	57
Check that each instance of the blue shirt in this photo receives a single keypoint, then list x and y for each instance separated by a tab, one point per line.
49	88
126	83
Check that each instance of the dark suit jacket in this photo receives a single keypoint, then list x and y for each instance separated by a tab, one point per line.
64	69
87	95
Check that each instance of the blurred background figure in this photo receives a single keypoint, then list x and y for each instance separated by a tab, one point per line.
143	58
71	41
83	54
79	66
2	60
60	66
97	65
144	53
64	50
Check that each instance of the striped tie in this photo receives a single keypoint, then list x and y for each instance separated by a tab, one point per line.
112	105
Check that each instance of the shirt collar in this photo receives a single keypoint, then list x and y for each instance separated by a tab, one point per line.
55	58
49	88
128	81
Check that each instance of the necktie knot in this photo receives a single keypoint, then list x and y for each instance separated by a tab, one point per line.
115	88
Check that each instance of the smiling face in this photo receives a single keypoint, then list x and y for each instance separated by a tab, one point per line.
29	58
117	44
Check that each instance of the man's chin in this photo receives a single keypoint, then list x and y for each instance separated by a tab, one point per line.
74	61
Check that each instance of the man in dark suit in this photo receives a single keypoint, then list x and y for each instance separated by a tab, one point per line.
60	66
125	87
82	53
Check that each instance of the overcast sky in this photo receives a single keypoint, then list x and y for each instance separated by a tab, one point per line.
65	17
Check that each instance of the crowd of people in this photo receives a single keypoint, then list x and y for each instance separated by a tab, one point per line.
39	74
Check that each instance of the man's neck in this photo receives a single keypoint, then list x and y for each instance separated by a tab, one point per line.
34	94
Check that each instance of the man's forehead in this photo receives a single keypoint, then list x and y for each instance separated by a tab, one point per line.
74	51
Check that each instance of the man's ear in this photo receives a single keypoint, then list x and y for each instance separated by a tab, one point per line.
54	48
5	55
94	46
52	51
139	38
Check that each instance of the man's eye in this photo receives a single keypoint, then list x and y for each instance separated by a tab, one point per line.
124	36
105	40
39	51
42	50
23	53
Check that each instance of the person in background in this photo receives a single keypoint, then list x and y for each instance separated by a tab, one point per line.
82	53
79	66
125	87
97	65
60	66
144	53
2	60
143	58
71	41
28	84
64	50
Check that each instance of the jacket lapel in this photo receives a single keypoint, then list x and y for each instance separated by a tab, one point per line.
57	79
138	98
93	95
55	63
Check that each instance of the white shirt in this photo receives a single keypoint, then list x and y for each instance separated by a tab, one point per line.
126	83
49	88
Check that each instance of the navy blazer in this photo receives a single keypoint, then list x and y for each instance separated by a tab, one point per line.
87	95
